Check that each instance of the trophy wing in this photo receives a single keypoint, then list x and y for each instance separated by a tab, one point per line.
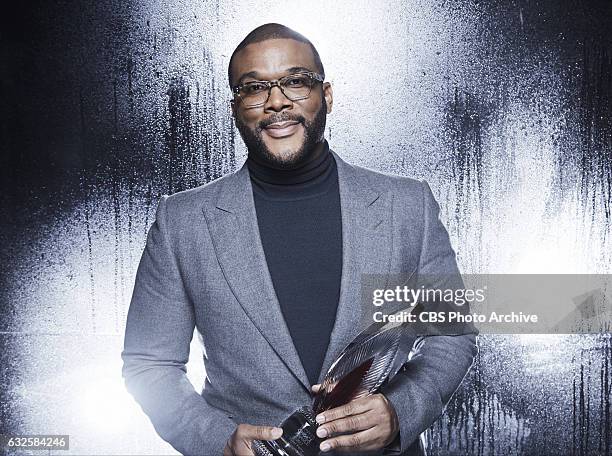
362	367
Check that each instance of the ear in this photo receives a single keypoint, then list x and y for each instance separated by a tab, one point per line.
233	106
328	93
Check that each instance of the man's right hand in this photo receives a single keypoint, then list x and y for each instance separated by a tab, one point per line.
239	443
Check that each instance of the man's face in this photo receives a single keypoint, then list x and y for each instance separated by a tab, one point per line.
282	132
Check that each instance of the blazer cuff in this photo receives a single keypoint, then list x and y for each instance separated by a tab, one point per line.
416	409
394	447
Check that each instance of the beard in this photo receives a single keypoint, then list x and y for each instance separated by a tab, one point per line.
313	134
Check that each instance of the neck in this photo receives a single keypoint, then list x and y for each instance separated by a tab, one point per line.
315	164
315	178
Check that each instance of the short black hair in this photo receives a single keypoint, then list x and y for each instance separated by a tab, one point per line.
269	32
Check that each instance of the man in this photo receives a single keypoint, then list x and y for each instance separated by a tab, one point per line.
267	262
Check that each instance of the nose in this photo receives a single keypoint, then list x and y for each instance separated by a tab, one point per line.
277	101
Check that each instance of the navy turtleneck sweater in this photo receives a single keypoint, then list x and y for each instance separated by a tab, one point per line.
300	225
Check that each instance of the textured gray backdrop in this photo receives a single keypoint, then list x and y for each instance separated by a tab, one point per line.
504	107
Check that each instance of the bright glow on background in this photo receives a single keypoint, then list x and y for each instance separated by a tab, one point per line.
459	94
104	404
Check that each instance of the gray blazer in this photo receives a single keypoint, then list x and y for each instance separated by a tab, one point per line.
204	267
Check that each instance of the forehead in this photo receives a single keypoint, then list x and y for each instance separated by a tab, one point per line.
272	58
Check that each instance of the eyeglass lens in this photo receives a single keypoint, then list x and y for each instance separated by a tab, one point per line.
295	87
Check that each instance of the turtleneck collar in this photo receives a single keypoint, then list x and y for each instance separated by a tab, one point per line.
310	179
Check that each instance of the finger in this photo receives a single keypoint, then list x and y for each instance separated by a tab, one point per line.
242	448
354	407
238	447
348	424
370	439
249	432
316	388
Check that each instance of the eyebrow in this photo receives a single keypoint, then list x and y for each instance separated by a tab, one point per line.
255	74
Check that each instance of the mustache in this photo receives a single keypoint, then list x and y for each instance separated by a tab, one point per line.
281	117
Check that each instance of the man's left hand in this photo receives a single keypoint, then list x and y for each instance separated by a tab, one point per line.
367	423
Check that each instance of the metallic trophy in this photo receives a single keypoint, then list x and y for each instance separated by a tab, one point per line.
363	367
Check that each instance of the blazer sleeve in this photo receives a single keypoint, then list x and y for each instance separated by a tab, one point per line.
159	329
438	364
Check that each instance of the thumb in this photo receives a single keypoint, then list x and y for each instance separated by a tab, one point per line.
265	432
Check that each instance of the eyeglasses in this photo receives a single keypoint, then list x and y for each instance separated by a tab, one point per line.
295	87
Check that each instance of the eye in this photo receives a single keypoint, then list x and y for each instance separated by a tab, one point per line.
253	88
297	81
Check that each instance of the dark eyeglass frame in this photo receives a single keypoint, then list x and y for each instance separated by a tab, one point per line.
316	77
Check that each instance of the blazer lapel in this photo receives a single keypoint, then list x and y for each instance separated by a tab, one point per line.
234	230
366	248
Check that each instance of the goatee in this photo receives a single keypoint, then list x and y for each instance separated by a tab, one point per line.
313	134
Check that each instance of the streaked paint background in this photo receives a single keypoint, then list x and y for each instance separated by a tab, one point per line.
504	107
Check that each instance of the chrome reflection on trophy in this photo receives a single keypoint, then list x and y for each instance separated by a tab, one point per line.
371	360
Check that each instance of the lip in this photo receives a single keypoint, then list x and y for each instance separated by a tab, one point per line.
282	129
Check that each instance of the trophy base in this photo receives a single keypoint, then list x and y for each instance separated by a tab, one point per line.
299	437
